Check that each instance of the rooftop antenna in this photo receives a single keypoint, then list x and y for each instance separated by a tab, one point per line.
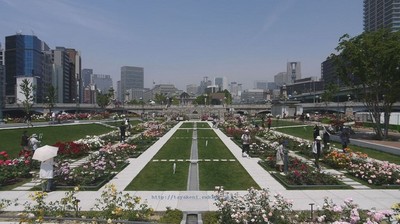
33	33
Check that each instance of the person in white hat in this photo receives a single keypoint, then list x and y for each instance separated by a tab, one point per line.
34	142
316	149
246	142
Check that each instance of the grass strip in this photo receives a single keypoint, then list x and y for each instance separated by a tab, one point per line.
10	139
177	147
187	125
158	176
215	148
231	175
202	125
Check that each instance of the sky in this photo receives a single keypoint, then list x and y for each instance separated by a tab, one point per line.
182	41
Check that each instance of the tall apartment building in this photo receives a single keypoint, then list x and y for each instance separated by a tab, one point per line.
131	78
62	75
75	75
24	57
381	14
2	84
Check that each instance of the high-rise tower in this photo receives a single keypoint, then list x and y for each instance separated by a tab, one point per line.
381	14
131	78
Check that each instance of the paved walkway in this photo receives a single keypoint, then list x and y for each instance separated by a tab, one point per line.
198	201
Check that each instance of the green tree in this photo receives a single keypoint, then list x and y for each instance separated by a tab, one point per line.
372	59
228	97
51	97
104	99
27	89
160	98
329	93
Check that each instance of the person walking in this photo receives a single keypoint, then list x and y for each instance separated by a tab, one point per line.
25	141
122	130
246	143
316	131
316	149
46	174
34	142
344	139
28	120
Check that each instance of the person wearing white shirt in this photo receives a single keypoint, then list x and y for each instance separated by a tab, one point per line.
46	173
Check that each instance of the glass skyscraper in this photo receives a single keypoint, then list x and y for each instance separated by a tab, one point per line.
23	57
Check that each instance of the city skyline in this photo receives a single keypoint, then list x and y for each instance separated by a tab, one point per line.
183	41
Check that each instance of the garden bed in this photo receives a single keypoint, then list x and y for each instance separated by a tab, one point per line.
310	179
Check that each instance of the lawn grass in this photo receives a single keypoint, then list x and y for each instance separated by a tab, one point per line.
202	125
187	125
10	139
158	176
231	175
307	133
178	146
215	148
118	123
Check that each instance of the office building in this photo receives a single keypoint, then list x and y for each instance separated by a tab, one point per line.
103	83
131	78
281	79
23	57
86	76
260	84
381	14
221	82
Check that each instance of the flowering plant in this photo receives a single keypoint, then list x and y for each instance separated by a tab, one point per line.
92	142
10	169
88	173
376	173
114	205
253	207
71	149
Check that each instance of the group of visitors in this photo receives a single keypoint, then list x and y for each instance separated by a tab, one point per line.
319	144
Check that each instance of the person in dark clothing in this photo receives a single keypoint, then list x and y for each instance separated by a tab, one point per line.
28	120
25	141
122	130
326	139
344	138
316	131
